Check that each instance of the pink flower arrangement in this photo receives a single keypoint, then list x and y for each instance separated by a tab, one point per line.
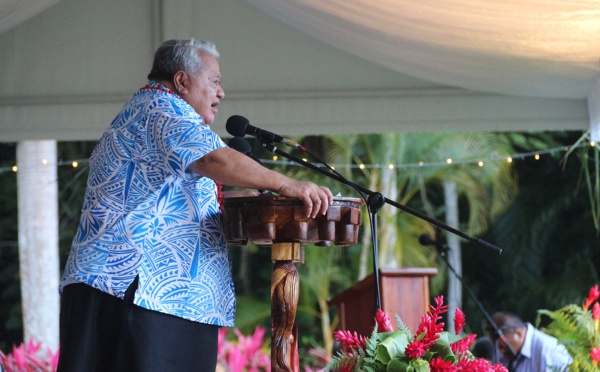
29	357
429	349
244	355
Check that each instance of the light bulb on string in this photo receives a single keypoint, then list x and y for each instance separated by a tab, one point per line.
421	163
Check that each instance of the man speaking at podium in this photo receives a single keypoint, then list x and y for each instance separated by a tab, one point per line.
148	280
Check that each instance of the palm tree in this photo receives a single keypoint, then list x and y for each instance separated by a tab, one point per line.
410	168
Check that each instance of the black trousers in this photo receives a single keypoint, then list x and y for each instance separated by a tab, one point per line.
102	333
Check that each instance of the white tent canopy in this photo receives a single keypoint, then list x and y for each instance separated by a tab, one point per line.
292	67
308	67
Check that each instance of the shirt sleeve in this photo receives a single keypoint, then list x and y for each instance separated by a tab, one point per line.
178	143
558	359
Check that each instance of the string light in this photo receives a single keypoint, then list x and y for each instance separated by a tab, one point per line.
275	160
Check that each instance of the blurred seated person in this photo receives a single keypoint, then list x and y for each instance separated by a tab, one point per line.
523	348
484	348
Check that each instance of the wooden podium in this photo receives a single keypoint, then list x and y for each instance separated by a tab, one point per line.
281	223
403	291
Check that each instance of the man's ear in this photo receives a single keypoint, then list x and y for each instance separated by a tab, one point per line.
520	333
180	82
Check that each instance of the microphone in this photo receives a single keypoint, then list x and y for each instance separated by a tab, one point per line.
239	126
243	146
428	240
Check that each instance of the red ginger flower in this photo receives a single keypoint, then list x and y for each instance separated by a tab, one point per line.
428	331
440	365
384	323
595	355
350	340
459	320
439	308
460	347
473	365
499	368
592	296
415	349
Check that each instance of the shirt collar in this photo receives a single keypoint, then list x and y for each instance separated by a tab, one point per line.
527	345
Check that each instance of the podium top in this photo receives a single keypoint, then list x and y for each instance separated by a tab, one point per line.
265	220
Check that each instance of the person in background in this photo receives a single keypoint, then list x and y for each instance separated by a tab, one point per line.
523	348
484	348
148	283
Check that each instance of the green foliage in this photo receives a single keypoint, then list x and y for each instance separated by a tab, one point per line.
590	173
574	328
252	311
550	245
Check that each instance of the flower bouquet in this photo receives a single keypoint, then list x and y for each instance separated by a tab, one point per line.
29	357
430	349
576	327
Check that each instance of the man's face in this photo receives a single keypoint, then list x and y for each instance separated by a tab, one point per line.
203	91
513	338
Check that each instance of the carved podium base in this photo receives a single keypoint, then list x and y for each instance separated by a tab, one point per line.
282	224
285	289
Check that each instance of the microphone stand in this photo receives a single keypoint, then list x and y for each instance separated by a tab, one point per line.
374	202
442	249
371	194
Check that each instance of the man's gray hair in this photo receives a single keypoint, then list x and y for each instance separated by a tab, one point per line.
175	55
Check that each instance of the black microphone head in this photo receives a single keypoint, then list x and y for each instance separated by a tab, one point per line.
236	125
426	240
240	145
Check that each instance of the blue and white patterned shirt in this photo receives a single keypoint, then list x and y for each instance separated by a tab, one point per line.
145	213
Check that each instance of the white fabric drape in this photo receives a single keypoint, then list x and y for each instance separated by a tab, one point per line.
540	48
